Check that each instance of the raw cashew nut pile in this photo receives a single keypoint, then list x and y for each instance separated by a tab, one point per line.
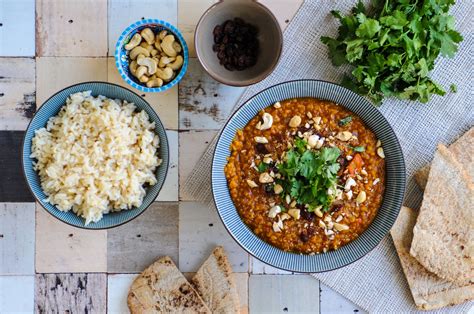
154	59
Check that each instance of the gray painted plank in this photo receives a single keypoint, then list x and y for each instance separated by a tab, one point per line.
134	246
17	238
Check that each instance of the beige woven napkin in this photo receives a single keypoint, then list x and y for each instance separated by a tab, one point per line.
376	282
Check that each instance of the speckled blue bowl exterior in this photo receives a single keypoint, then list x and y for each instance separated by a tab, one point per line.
51	108
121	57
394	185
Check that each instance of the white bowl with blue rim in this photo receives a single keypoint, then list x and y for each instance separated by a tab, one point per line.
122	60
394	185
51	108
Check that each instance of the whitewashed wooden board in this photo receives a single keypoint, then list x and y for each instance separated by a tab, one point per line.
200	231
17	294
17	29
117	292
334	303
17	92
170	190
17	239
123	13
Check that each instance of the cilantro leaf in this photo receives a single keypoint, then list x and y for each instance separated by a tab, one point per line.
345	121
262	167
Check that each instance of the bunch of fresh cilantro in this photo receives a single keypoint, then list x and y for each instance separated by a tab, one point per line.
393	47
307	175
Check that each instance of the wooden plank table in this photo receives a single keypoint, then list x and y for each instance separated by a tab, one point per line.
47	266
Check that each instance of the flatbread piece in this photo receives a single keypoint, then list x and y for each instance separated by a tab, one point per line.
429	291
462	148
215	283
443	237
162	288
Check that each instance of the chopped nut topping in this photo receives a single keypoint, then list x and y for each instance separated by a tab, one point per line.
318	211
349	195
328	232
288	199
322	224
295	122
278	226
252	183
364	172
361	197
340	227
349	157
376	181
313	140
267	122
380	152
295	213
344	136
317	120
277	105
339	218
293	204
307	125
261	139
284	216
267	160
277	189
330	225
327	218
274	211
349	183
378	144
309	115
265	178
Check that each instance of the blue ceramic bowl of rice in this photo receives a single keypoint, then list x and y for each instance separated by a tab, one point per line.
51	108
122	55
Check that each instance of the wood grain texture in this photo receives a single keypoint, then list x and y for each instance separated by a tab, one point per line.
17	294
71	28
17	92
283	293
200	231
17	238
203	102
70	293
164	103
17	32
192	145
54	74
117	292
332	302
170	190
189	12
61	248
123	13
136	245
13	187
284	10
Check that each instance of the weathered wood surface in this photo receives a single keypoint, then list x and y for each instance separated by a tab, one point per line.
61	248
17	294
170	190
17	92
56	73
134	246
122	13
17	28
71	293
200	231
71	28
117	292
283	293
13	187
334	303
17	238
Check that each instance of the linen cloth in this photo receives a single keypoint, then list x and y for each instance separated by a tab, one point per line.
376	282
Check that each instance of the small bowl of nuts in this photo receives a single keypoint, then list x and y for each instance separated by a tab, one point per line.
151	55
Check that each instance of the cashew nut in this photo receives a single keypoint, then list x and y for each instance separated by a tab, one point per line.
144	44
144	79
162	34
177	47
148	35
135	41
140	57
167	45
177	64
149	63
295	121
164	61
165	74
154	52
133	66
158	43
138	50
267	121
154	82
140	71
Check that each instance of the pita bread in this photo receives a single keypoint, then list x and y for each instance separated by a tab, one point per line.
443	237
215	284
463	149
429	291
162	288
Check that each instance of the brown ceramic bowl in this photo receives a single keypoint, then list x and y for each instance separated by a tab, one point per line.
269	36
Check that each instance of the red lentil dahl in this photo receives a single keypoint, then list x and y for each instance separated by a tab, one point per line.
304	231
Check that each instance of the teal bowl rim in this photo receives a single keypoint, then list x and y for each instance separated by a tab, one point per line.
294	262
40	201
131	29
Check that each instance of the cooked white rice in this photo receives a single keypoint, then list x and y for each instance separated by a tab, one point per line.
96	155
